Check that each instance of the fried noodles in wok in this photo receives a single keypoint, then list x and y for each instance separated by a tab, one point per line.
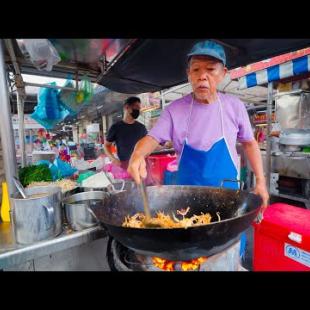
166	221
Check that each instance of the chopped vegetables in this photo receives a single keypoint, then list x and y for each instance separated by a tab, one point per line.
34	173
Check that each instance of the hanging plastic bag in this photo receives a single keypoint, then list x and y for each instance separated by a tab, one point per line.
86	90
41	53
74	99
49	110
48	97
68	97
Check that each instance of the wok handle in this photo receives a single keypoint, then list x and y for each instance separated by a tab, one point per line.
92	214
114	190
232	180
97	220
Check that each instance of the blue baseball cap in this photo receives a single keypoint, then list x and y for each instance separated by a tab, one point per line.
208	48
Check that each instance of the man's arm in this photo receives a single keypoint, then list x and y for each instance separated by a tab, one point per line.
111	137
253	154
159	133
107	146
137	164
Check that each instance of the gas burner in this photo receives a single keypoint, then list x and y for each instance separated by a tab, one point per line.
120	258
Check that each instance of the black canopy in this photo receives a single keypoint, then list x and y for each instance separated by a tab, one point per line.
147	65
154	64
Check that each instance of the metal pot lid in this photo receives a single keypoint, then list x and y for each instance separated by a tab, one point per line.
84	196
295	137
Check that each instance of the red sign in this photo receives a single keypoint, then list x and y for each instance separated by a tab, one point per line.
262	118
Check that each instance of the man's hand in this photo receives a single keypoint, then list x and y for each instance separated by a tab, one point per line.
261	190
137	167
253	154
137	164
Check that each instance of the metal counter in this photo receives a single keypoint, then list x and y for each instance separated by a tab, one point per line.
12	254
291	166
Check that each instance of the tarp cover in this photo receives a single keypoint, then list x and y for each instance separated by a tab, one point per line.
155	64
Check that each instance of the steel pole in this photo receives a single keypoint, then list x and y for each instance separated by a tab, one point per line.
21	129
269	123
49	86
163	101
6	128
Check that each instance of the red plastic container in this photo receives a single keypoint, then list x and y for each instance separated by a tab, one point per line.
282	239
157	164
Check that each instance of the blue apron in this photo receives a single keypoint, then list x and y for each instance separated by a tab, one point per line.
208	168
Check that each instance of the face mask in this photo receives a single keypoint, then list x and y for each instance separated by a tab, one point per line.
135	113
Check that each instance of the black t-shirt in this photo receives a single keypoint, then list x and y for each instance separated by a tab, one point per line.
125	137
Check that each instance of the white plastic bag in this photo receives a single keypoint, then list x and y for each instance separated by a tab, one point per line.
98	164
97	180
80	164
41	53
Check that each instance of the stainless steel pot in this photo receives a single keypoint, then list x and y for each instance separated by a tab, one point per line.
117	186
121	186
295	137
77	209
111	188
37	218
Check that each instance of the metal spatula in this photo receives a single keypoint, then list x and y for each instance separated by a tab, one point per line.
147	220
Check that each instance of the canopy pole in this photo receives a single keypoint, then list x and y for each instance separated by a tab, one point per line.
21	129
269	124
6	128
163	100
77	80
21	96
49	86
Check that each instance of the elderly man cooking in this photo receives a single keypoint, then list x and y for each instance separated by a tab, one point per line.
204	127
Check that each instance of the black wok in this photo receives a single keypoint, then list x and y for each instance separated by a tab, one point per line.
237	210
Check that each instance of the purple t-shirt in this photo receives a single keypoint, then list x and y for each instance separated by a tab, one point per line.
205	124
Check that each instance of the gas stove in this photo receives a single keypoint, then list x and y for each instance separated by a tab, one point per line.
120	258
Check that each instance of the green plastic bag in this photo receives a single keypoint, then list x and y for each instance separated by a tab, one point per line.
86	90
74	99
68	97
83	176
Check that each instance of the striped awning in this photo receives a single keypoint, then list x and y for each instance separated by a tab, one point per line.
288	69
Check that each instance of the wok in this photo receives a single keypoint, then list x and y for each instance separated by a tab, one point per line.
237	210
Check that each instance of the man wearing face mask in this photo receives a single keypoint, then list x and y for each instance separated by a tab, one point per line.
204	127
125	133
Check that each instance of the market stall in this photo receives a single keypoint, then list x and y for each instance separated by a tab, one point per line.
54	236
285	228
123	66
287	160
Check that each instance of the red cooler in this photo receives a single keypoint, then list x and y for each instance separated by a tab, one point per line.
282	239
157	164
